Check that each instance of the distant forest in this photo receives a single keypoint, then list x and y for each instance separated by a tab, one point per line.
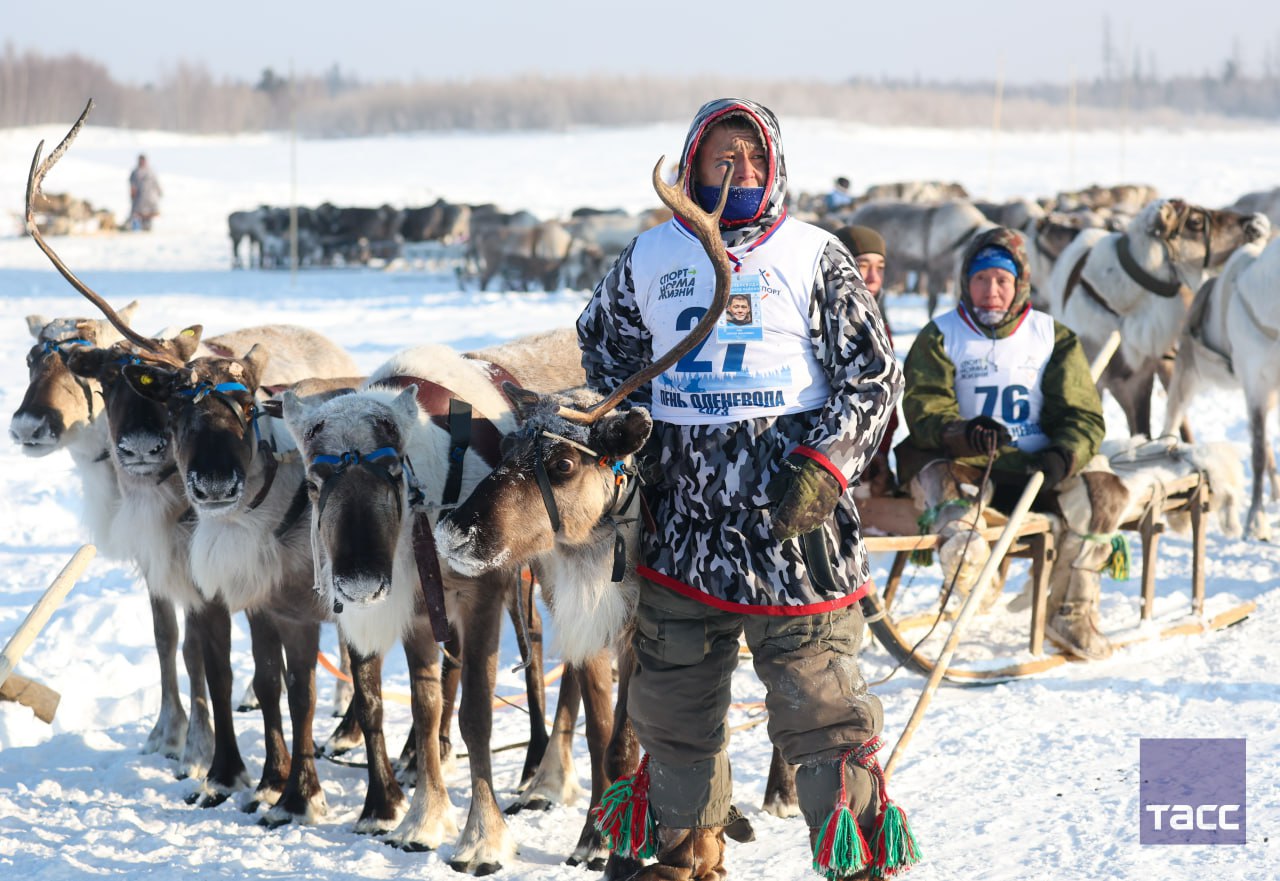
37	89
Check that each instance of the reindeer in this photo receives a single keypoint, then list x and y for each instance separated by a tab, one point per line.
1230	339
61	410
201	407
1139	282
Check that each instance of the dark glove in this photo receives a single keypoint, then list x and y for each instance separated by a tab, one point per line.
802	494
1055	463
985	434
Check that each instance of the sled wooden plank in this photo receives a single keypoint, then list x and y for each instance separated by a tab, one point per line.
43	609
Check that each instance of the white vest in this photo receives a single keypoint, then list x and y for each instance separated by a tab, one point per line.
759	359
1001	378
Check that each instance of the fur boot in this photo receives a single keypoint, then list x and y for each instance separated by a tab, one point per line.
1092	504
948	495
687	855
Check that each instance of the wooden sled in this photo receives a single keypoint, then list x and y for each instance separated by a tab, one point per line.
896	519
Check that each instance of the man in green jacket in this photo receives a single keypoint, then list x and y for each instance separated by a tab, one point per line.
995	379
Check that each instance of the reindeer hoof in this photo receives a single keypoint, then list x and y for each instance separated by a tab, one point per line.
274	820
535	803
411	846
477	869
207	799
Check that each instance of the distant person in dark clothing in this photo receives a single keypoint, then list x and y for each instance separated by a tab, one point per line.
144	195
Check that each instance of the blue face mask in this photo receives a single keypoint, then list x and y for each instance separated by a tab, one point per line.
743	202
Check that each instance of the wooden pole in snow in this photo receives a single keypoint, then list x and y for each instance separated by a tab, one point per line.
43	609
1105	354
967	611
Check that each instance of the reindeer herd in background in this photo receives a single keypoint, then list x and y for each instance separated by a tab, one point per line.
256	472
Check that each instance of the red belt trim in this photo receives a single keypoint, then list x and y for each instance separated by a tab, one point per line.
746	608
826	463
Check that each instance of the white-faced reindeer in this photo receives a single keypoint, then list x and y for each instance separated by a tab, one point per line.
1140	283
372	566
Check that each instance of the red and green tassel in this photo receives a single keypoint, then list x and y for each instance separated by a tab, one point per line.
840	850
623	817
893	846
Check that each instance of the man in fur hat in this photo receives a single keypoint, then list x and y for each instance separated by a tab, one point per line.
994	380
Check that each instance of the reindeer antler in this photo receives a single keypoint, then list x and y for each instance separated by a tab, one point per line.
705	225
34	179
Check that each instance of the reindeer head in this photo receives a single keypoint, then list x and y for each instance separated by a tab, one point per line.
354	447
58	404
1197	238
507	519
138	425
212	415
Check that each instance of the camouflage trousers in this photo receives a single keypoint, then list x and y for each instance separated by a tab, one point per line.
817	699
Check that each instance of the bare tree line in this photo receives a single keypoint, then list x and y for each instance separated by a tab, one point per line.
38	89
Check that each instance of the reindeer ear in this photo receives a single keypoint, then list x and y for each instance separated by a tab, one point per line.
152	381
1166	219
184	345
522	400
35	324
406	410
255	361
621	434
126	314
296	414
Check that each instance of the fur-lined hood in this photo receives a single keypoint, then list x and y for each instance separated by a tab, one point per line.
1012	242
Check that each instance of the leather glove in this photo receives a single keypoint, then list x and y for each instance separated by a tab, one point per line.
1055	462
984	434
803	494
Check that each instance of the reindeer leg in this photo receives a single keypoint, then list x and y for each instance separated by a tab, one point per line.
197	751
171	726
596	676
486	841
450	681
780	798
267	669
1257	526
623	754
384	803
343	691
303	798
430	819
227	772
556	781
520	606
348	734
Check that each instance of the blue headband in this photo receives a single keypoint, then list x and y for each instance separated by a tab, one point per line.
993	257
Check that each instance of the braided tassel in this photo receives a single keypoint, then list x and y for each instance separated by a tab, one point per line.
840	849
623	817
894	845
1118	563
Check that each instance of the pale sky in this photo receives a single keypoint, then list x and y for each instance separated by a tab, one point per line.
791	39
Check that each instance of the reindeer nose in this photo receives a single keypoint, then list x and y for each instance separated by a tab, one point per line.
213	490
33	429
148	446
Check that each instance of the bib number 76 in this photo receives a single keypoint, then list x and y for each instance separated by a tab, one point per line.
1014	402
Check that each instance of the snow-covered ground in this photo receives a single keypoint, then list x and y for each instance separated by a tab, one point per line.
1027	780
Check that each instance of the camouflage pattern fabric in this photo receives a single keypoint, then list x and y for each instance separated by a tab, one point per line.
706	484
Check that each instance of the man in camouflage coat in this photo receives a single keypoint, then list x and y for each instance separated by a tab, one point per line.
758	434
995	376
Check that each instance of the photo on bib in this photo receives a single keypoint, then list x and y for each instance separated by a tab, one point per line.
743	320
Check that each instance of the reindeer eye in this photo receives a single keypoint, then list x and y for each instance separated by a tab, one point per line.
313	487
565	466
1195	223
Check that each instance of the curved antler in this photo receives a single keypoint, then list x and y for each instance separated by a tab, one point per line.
706	226
34	179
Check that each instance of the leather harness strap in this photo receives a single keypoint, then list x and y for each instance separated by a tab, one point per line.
1131	267
1077	278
